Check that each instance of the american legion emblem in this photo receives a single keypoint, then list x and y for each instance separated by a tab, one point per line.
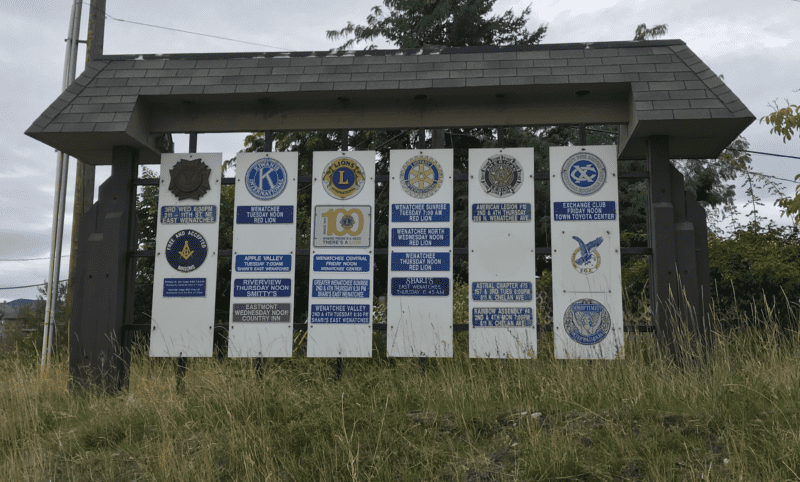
421	176
265	179
343	178
583	173
587	321
186	250
501	175
189	179
586	259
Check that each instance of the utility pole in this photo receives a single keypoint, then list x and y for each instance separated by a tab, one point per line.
84	173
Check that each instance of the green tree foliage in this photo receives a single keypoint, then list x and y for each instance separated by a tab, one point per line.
413	24
784	122
24	334
644	33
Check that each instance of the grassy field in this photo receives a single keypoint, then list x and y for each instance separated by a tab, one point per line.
732	416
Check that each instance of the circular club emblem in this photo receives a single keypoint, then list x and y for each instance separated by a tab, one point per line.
586	259
587	321
421	177
501	175
343	178
584	173
265	179
186	250
189	179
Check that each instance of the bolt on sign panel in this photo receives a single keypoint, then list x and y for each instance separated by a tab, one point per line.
342	254
264	258
587	279
185	276
419	301
502	255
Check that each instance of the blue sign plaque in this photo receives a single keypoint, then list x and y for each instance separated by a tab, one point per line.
341	263
502	317
502	291
340	288
184	287
585	211
420	286
501	212
264	214
263	263
340	314
206	214
424	237
262	288
420	261
421	213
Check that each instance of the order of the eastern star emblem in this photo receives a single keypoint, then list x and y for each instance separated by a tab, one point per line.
421	176
587	321
189	179
584	173
186	250
265	179
501	175
343	178
586	259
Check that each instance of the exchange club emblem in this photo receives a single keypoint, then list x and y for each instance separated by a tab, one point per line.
584	173
586	259
587	321
421	177
501	175
189	179
265	179
343	178
186	250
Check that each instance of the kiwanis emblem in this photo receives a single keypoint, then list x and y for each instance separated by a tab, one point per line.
586	259
343	178
186	250
587	321
421	177
583	173
265	179
501	175
189	179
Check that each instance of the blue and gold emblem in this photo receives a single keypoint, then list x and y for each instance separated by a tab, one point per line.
343	178
501	175
265	179
587	321
586	259
421	176
186	250
583	173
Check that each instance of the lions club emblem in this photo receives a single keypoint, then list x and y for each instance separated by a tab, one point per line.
583	173
186	250
343	178
265	179
501	175
189	179
587	321
421	176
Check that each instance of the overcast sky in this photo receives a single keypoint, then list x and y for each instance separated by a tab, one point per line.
753	44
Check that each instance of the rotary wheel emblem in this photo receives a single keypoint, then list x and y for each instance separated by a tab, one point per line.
189	179
421	177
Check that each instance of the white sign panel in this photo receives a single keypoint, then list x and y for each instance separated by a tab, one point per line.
264	258
587	279
340	286
185	277
502	257
419	303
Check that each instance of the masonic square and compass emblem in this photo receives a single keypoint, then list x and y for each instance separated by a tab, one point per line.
421	176
186	250
189	179
583	173
501	175
343	178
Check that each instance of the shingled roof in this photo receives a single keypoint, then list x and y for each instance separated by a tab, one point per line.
649	88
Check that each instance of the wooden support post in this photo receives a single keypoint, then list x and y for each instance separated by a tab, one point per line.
104	282
661	236
421	138
581	134
437	140
339	368
345	138
180	372
193	142
501	137
688	299
268	138
697	216
260	368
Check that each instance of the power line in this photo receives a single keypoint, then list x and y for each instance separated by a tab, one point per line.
189	32
31	259
762	153
28	286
